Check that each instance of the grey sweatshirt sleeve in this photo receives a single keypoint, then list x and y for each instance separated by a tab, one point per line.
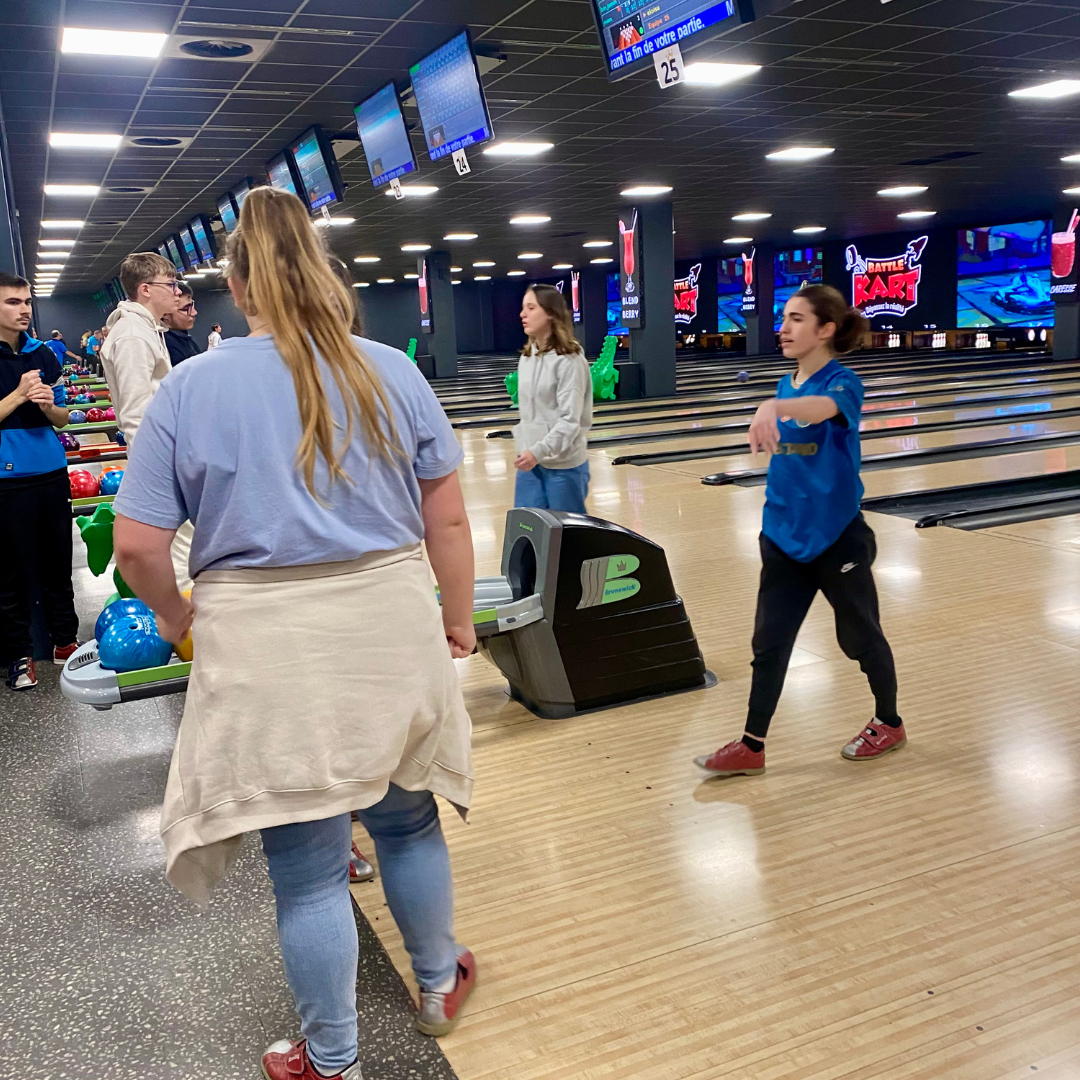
573	382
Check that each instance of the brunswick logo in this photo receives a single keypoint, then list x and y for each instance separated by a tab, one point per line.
886	286
686	296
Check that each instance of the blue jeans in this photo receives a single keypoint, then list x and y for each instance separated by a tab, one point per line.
309	866
553	489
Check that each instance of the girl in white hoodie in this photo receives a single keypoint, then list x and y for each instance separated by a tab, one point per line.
555	406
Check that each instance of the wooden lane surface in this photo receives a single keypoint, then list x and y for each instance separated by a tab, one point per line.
632	920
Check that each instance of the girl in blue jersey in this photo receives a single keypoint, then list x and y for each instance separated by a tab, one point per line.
812	533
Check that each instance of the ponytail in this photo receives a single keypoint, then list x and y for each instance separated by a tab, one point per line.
829	306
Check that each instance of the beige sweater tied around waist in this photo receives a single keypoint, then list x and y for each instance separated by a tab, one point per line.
312	688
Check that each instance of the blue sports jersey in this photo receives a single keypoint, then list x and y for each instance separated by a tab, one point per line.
28	443
813	489
58	348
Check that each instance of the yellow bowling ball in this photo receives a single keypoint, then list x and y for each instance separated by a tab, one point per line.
185	650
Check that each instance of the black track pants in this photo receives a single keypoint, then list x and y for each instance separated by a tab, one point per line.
35	533
842	572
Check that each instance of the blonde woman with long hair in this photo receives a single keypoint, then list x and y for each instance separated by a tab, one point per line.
555	406
323	679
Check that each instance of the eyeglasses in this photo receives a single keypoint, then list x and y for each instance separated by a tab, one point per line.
175	286
188	309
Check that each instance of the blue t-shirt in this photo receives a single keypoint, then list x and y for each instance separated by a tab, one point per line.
218	446
59	349
813	490
92	344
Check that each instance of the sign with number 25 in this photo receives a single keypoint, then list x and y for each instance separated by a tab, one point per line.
669	66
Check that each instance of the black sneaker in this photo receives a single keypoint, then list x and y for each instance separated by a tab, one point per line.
21	674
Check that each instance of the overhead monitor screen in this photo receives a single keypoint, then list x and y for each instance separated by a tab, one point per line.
446	84
632	30
384	136
1003	275
280	174
226	208
191	253
240	193
314	169
730	284
201	238
792	270
174	253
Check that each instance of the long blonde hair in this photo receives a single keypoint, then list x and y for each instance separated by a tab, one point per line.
276	253
560	335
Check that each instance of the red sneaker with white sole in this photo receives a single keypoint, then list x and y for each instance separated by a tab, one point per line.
61	654
874	740
286	1060
735	759
439	1013
359	868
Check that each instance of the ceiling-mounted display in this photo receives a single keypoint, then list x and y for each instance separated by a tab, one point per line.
383	135
173	246
203	235
632	30
453	111
317	169
280	170
240	193
228	211
188	248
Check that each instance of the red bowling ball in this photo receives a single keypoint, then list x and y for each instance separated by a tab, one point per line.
84	484
95	416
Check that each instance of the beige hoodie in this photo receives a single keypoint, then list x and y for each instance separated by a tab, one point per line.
555	405
135	359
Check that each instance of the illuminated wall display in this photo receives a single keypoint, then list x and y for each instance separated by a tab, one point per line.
792	270
426	321
886	285
686	296
1004	274
729	296
749	295
1064	269
575	295
630	276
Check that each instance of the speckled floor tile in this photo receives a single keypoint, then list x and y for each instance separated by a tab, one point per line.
106	971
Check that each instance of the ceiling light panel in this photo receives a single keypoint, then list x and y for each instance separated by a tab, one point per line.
77	39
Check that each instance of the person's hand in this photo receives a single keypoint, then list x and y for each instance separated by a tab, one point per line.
525	461
174	628
764	433
461	639
27	384
41	394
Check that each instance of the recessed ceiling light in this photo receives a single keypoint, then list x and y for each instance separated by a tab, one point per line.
800	153
601	259
411	277
562	266
71	189
362	285
751	216
515	273
414	190
912	215
455	269
901	190
808	230
483	262
1058	88
54	254
481	277
367	259
739	240
1071	191
1071	158
702	73
73	139
56	243
415	247
597	243
455	281
460	236
46	277
517	149
50	266
529	219
644	189
384	280
531	255
111	42
323	222
55	223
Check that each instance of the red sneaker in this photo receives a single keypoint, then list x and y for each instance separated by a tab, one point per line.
62	654
874	740
735	759
439	1012
359	868
286	1060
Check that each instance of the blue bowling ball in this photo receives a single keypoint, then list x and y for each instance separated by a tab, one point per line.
76	416
133	643
120	440
84	399
110	482
118	609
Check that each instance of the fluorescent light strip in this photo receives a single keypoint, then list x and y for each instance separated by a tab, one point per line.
71	189
1057	89
529	219
809	230
483	262
800	153
515	273
517	149
481	277
701	73
597	243
739	240
414	190
641	190
913	215
76	140
562	266
901	190
367	259
111	42
601	260
56	243
415	247
751	216
531	255
56	223
460	236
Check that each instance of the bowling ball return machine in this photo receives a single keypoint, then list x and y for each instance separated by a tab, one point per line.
584	616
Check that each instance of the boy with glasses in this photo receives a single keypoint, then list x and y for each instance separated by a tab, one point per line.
136	358
181	345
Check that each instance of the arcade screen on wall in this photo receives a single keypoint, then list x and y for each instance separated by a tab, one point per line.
791	270
1003	275
729	293
632	30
